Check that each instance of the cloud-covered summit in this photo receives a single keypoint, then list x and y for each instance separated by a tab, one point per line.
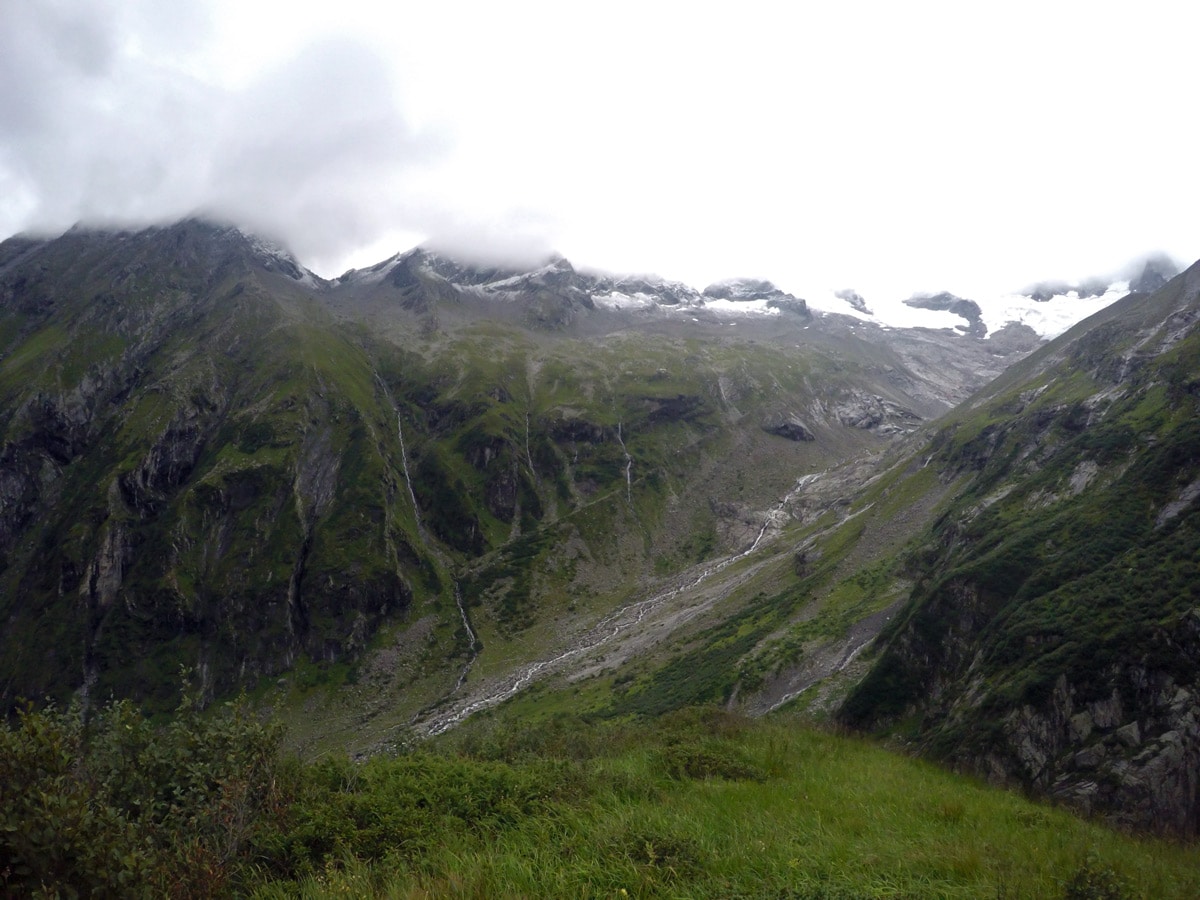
313	151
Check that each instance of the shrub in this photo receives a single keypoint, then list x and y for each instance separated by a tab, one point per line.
116	806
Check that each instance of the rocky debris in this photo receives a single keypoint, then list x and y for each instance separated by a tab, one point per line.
790	426
872	412
947	302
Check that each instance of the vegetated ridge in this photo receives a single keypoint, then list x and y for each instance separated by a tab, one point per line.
1052	635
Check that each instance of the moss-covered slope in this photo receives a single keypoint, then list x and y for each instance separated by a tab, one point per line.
1053	635
209	457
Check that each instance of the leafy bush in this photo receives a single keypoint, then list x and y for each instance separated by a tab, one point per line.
401	808
118	807
1095	881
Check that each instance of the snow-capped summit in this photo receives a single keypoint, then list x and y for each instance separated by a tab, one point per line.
1046	308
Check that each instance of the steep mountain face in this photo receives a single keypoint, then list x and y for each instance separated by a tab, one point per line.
196	469
211	457
1052	636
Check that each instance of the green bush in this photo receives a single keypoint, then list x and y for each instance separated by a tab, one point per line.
116	807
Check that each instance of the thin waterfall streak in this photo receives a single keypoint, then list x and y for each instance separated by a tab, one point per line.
407	477
528	455
472	642
628	467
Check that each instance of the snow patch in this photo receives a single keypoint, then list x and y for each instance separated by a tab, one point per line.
1048	318
740	307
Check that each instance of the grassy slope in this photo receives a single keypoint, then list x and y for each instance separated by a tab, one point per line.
1040	548
699	803
484	402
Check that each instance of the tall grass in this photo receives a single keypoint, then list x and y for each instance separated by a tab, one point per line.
703	804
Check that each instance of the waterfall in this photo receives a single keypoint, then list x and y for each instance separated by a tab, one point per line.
628	467
407	477
472	641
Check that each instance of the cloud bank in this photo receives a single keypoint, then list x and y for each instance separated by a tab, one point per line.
313	151
892	148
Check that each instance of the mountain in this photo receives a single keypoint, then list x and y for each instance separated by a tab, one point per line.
388	502
211	457
1052	633
189	448
1048	308
1011	589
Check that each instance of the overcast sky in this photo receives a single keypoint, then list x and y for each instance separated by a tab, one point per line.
891	147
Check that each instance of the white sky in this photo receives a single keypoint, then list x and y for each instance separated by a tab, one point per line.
890	147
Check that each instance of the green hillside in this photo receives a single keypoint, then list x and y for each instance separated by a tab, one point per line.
699	803
210	458
1052	634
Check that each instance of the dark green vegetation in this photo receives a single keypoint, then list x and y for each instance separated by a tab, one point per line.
116	807
697	803
203	461
1053	634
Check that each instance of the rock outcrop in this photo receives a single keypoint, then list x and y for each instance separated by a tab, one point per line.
790	426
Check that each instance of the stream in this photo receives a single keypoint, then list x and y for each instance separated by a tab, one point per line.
609	627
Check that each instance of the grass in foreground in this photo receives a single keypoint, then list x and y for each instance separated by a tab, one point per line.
697	803
703	804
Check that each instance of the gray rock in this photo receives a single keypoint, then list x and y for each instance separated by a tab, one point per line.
1090	757
1081	727
788	426
1129	735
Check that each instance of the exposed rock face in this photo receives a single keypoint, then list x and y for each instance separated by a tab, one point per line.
1132	754
872	412
790	426
1015	337
747	289
1044	291
1042	645
947	302
855	299
164	494
742	289
1155	273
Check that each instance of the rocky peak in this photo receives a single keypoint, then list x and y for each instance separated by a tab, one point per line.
947	302
1155	272
1045	291
746	290
855	299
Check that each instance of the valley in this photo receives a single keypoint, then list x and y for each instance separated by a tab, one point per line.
430	493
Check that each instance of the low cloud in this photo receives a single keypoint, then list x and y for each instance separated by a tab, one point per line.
315	152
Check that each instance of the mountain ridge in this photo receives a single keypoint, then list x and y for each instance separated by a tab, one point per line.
429	488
